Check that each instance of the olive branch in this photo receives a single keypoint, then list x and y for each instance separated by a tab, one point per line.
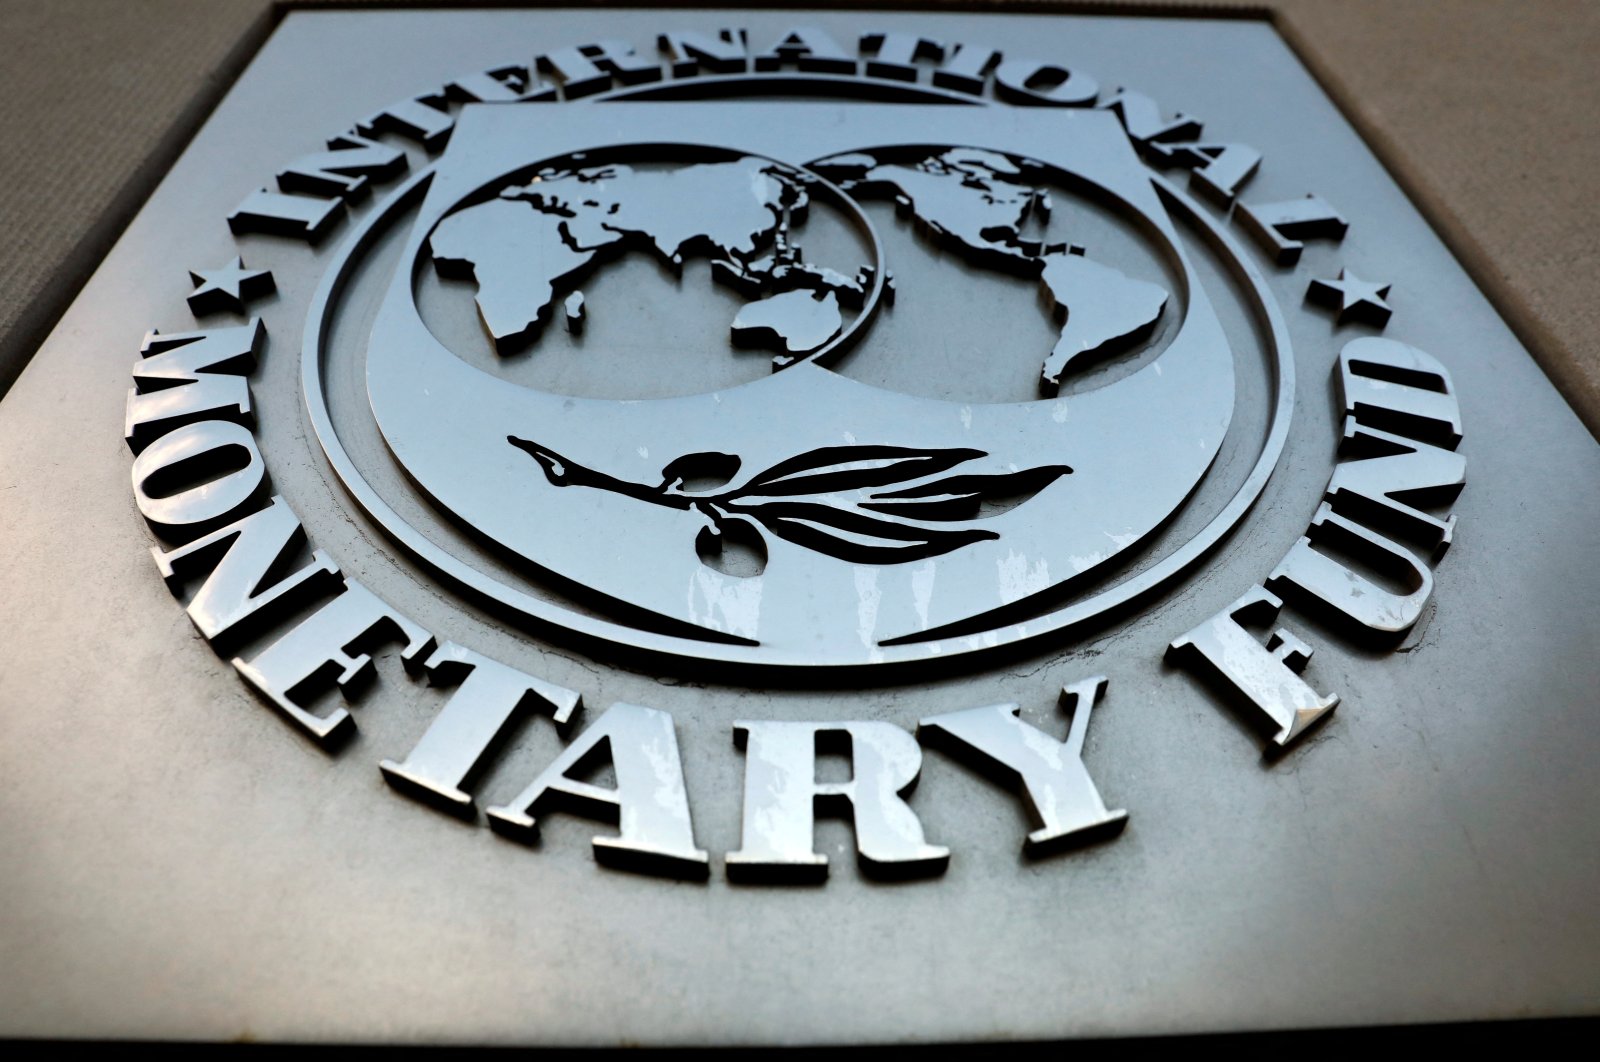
867	504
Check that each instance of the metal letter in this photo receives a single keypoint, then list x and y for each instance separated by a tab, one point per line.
622	61
1352	595
345	169
1394	386
505	84
207	399
894	55
243	560
589	68
1265	676
190	376
1279	227
689	53
1141	117
809	48
966	68
782	798
415	119
649	804
204	449
332	643
1055	786
276	214
1371	487
1032	82
1222	168
488	696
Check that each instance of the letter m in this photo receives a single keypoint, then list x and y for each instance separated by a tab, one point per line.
188	376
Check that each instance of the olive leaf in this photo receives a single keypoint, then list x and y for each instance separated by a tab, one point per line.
865	504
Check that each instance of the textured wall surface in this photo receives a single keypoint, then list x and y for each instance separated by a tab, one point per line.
1483	108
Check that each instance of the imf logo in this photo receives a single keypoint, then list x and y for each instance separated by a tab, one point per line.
814	400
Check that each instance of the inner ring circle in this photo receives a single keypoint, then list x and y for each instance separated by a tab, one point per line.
558	620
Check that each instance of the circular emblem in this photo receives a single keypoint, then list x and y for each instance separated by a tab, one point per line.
803	386
654	393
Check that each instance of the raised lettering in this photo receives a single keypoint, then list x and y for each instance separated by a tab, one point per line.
190	376
415	119
589	68
302	217
690	53
809	48
1266	678
966	68
332	645
895	55
1349	594
505	84
148	416
1028	81
1055	786
192	479
1394	472
1141	118
1280	227
488	697
650	804
1391	385
1219	170
782	799
242	562
345	169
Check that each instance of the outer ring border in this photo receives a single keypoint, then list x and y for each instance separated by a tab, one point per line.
560	619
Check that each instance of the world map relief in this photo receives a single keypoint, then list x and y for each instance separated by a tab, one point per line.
978	202
532	244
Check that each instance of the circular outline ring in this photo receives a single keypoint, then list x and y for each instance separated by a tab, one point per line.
561	619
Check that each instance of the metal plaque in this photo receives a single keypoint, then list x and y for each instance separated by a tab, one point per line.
689	527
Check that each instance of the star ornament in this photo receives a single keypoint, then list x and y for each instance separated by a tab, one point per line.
1352	298
228	287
